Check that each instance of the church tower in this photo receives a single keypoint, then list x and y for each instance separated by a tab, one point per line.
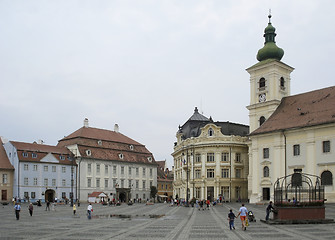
269	80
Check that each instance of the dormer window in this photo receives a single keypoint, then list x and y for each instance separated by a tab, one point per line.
121	156
150	159
61	157
34	155
24	154
262	84
99	142
131	147
88	152
210	132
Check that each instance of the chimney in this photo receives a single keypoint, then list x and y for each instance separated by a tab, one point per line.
40	141
116	128
86	123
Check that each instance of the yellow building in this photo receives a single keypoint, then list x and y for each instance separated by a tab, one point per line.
210	160
287	133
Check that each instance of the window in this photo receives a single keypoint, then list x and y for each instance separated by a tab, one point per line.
63	169
131	147
262	83
238	157
143	172
98	168
129	171
46	168
238	173
266	171
106	169
225	157
143	195
210	132
114	183
34	155
327	178
225	173
25	167
106	182
122	170
261	120
121	156
129	183
326	146
197	158
137	184
122	183
89	168
210	173
150	184
63	195
137	171
35	167
114	169
63	182
150	172
26	181
282	83
296	150
197	173
61	157
45	182
53	182
210	157
266	153
197	192
4	178
24	154
53	168
143	184
26	195
97	182
99	142
166	186
33	195
35	181
89	182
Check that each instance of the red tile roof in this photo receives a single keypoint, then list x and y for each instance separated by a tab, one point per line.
302	110
4	161
95	194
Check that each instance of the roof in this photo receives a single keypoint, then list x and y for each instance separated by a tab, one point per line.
4	161
302	110
197	116
95	194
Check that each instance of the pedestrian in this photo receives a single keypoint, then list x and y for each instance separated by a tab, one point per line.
268	210
31	208
201	205
243	216
74	209
231	218
47	206
208	203
17	208
89	211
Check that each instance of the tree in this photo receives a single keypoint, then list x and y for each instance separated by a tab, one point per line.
153	192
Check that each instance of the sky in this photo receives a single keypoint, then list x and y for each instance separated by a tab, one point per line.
145	65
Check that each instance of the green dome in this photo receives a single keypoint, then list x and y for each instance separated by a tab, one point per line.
270	49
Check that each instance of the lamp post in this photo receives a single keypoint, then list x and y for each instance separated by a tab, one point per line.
187	178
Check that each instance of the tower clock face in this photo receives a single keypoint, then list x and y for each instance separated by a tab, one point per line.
262	97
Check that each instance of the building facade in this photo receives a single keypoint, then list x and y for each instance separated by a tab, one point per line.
6	176
42	172
164	181
288	133
111	162
210	160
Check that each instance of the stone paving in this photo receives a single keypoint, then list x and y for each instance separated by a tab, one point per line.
158	221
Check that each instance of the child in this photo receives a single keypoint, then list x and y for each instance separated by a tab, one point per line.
231	218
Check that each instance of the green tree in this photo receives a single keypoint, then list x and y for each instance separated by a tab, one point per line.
153	192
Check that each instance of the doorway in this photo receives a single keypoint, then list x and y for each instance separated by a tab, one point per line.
49	195
210	193
266	194
4	195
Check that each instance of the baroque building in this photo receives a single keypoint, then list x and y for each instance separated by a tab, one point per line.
287	133
210	160
111	162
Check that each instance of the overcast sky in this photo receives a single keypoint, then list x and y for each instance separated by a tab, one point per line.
145	65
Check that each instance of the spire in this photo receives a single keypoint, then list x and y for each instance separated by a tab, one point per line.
270	49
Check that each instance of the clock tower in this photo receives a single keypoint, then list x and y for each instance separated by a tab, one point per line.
269	80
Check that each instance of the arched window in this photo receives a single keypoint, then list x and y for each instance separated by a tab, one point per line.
261	120
262	83
326	178
210	132
282	83
266	171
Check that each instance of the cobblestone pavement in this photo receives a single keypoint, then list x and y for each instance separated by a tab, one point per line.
158	221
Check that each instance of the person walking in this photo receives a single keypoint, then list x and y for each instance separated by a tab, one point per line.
74	209
17	208
47	208
268	210
31	209
243	216
231	218
89	211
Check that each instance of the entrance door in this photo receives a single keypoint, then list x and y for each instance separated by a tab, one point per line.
266	193
4	195
49	195
210	193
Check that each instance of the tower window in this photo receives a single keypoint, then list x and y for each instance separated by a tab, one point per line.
210	132
266	153
326	146
261	120
266	171
282	83
262	83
